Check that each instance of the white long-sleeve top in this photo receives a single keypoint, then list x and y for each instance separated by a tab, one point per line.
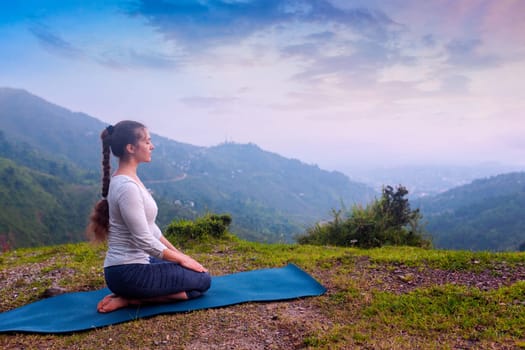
133	234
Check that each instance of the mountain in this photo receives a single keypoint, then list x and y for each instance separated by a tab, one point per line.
259	185
39	208
72	136
486	214
271	198
428	180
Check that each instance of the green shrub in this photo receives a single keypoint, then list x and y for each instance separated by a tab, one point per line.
386	221
203	229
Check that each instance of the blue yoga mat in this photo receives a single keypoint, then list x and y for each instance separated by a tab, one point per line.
73	312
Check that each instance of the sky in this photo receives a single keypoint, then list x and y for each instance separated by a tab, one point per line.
337	83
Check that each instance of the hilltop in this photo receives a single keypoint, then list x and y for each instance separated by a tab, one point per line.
388	298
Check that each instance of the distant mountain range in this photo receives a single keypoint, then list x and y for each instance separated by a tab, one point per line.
430	179
50	160
487	214
56	154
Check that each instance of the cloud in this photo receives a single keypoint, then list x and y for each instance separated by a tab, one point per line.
303	50
428	40
55	44
323	38
214	22
466	53
196	22
358	65
126	58
456	84
209	102
116	57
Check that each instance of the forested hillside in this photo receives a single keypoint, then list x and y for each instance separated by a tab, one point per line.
38	207
42	199
487	214
274	196
270	198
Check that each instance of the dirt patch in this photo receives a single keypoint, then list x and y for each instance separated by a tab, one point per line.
257	326
403	279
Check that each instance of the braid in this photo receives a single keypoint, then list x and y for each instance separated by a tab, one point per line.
99	218
114	140
106	165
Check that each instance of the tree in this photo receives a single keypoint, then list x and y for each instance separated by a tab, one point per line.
388	220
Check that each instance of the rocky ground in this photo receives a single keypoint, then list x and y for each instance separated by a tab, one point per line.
403	279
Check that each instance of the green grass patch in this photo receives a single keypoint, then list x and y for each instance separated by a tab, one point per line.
306	256
472	313
442	259
82	253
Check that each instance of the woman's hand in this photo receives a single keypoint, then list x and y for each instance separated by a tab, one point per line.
192	264
183	260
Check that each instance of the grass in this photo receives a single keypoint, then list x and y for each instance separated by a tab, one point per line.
468	312
455	260
358	311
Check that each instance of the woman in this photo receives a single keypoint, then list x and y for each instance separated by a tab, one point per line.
141	265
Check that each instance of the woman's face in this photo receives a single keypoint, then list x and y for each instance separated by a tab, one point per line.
142	150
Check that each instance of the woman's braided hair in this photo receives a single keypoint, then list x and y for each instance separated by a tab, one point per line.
114	140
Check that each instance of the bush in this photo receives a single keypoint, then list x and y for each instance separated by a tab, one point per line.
203	229
386	221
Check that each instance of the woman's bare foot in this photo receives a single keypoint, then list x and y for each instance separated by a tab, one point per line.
112	302
104	301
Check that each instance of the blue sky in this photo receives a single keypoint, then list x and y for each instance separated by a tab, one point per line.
338	83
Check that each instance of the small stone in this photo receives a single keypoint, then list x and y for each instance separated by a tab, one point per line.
408	278
53	291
